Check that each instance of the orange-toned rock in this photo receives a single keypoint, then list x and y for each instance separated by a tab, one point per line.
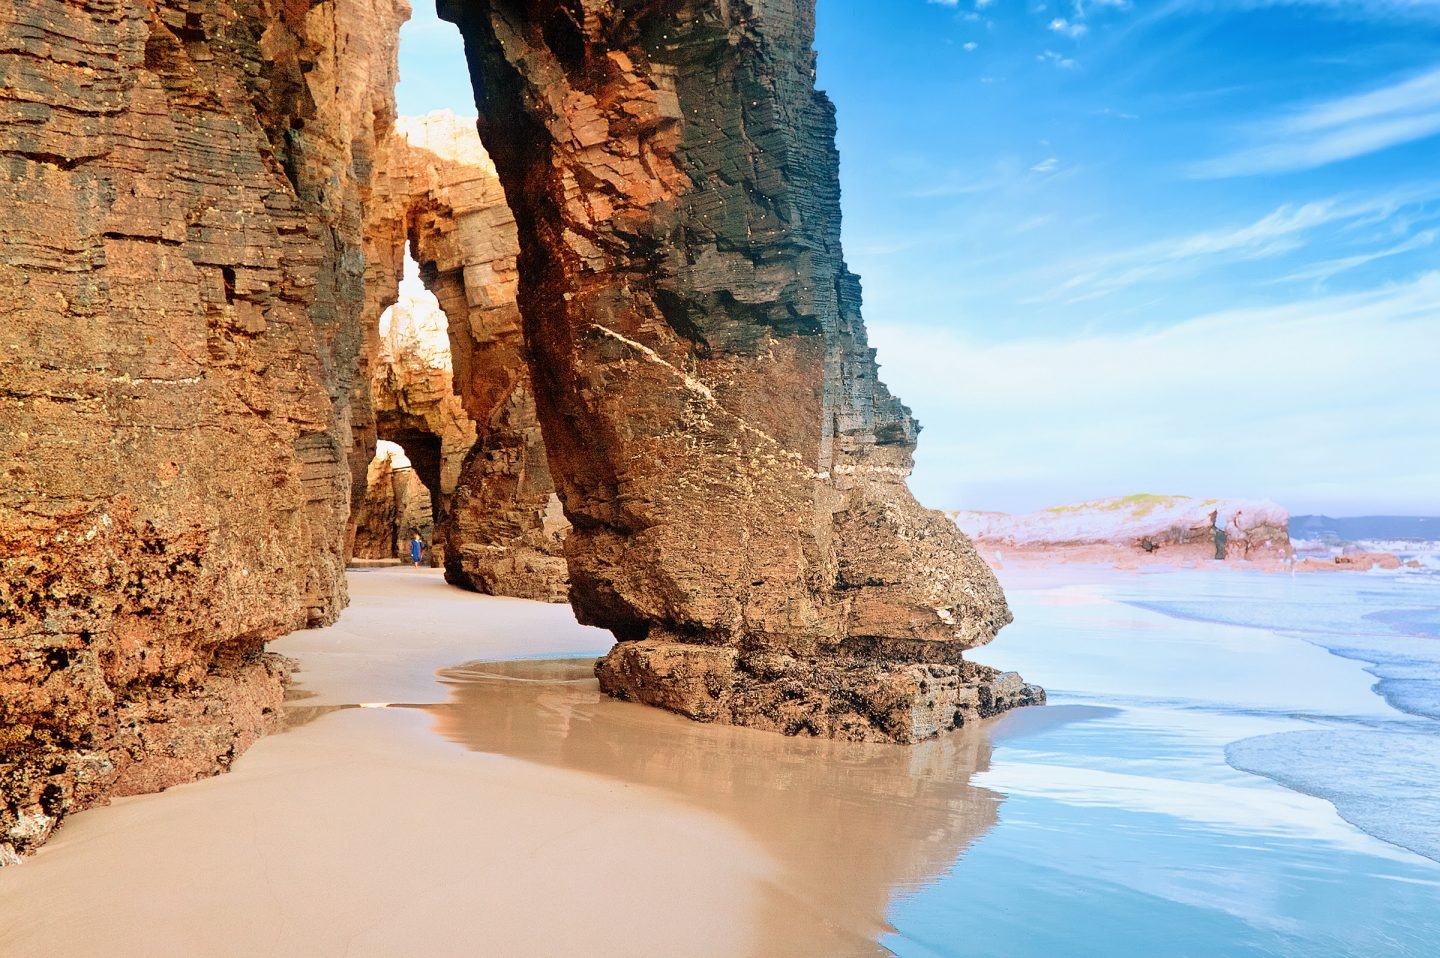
181	187
397	505
499	523
732	467
1350	562
1365	561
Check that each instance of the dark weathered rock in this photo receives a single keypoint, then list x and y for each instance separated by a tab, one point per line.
733	468
181	188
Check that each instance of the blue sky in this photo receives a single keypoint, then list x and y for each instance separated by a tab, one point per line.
1114	247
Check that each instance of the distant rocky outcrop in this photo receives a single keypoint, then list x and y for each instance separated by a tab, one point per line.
1130	527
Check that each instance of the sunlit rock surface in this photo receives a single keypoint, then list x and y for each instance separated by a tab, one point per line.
732	466
396	507
181	188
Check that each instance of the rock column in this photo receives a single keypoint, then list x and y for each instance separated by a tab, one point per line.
733	469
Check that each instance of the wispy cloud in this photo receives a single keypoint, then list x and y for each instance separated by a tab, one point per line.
1360	9
1284	230
1337	129
1293	402
1058	59
1328	269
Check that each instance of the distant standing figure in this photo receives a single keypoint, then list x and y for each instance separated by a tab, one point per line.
416	547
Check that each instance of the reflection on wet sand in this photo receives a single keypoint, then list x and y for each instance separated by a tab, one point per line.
851	825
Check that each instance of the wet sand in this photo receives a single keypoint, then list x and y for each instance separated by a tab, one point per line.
364	833
542	819
505	807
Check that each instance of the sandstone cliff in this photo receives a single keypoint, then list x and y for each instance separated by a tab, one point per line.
732	466
1165	527
181	185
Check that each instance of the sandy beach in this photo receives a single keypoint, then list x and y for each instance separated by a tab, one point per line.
453	783
363	833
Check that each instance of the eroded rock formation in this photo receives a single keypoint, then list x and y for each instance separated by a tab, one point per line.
500	525
416	407
181	186
190	309
732	466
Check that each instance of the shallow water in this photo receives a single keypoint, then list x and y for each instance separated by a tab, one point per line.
1133	834
845	822
1107	823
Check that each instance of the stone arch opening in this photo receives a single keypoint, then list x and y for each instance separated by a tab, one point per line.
398	504
193	279
414	402
500	526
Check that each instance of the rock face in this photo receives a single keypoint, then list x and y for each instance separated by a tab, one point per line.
1164	527
500	525
181	186
733	468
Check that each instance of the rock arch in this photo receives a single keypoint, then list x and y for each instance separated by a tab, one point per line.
188	311
731	463
500	526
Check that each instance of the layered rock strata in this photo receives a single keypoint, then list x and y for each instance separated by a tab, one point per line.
500	523
415	403
732	466
181	186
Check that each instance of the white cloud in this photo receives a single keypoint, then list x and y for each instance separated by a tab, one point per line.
1062	26
1331	402
1358	9
1283	230
1046	165
971	46
1058	59
1333	130
1323	271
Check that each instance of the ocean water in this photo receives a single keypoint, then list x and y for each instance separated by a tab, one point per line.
1233	764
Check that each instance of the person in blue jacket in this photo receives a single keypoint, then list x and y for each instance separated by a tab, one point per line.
416	547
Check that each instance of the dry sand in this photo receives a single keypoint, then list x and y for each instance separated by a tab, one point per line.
543	819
